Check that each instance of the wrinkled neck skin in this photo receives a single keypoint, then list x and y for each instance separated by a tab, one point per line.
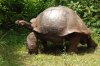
28	26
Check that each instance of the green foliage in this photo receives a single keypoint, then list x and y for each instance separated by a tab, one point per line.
89	11
11	10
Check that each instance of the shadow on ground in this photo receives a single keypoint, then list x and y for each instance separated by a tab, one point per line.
59	49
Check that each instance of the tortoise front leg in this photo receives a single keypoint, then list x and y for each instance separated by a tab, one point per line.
32	43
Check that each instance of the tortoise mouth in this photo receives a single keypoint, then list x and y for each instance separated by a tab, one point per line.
17	22
20	22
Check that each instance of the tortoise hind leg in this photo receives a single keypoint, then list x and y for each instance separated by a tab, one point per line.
74	41
85	39
31	43
91	43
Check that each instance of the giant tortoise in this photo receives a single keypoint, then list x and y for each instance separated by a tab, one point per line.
57	24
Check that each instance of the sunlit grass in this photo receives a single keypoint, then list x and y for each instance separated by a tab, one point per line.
13	52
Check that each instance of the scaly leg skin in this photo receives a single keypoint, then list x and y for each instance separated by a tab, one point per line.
88	40
74	41
91	43
32	43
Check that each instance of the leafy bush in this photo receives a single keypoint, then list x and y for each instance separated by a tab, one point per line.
89	11
11	10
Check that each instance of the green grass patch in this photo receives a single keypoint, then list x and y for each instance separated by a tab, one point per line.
13	52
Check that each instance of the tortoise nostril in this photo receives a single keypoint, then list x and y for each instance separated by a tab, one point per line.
16	22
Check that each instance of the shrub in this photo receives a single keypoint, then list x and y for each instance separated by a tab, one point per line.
11	10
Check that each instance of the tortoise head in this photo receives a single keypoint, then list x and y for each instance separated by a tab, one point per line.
21	22
24	23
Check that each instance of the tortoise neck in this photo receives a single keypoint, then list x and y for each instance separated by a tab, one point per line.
28	26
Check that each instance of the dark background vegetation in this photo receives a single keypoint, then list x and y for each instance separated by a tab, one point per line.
13	37
11	10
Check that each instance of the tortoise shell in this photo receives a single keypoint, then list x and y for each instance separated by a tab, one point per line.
59	21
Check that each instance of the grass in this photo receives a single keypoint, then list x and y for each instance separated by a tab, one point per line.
13	52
